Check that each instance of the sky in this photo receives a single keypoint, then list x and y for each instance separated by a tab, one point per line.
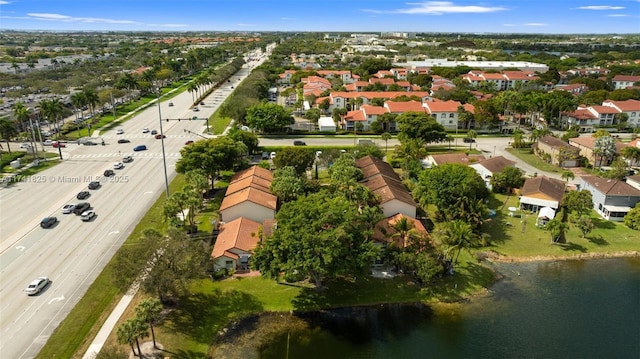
488	16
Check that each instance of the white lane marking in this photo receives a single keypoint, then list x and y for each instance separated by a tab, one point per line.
114	232
56	299
21	248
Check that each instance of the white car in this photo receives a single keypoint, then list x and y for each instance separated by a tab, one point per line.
118	166
68	208
120	131
86	216
48	143
25	146
37	285
145	130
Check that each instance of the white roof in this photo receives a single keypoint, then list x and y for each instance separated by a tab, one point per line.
547	212
611	208
326	121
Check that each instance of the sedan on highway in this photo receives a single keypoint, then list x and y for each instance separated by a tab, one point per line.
57	144
83	195
120	131
123	140
145	130
159	136
48	222
154	132
94	185
118	166
68	208
37	285
108	173
127	159
140	148
86	216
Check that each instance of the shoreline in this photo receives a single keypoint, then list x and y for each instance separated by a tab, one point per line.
495	257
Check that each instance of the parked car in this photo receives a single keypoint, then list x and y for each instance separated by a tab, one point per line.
57	144
299	143
140	148
145	130
83	195
265	155
108	173
86	216
468	140
188	142
195	109
154	132
170	104
159	136
25	146
123	140
37	285
68	208
118	166
48	222
47	143
94	185
81	207
120	131
127	159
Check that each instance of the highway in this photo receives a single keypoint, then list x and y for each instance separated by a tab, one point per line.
73	253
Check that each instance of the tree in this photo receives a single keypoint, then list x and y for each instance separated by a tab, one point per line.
414	125
585	225
386	136
316	238
268	117
632	154
211	156
632	219
604	148
567	175
126	335
313	115
471	134
456	190
7	131
287	185
249	139
578	203
299	158
465	117
148	311
344	170
455	236
557	228
510	178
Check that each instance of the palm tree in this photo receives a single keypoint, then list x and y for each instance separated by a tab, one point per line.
148	310
567	175
404	231
456	235
557	228
7	131
91	99
632	154
386	137
472	135
127	335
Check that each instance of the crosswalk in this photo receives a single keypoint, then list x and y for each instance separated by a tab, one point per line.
121	154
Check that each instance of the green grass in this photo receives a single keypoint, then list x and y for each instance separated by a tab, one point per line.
217	123
526	155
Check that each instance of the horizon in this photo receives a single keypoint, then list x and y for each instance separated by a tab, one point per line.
546	17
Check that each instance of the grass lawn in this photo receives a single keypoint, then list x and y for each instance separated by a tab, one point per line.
217	123
526	155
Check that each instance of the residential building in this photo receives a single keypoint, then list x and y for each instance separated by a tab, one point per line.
445	112
541	191
366	115
251	203
560	153
612	199
488	167
586	144
235	244
624	81
629	107
385	233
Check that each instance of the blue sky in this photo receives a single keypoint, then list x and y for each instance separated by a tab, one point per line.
510	16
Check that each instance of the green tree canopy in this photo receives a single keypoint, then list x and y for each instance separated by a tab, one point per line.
632	219
287	184
419	125
268	117
511	177
300	158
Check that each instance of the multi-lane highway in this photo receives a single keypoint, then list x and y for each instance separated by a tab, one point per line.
73	253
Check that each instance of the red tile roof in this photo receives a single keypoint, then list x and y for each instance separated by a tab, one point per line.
253	195
402	107
626	106
442	106
496	164
356	115
590	142
373	110
604	109
626	78
241	233
384	231
253	171
249	182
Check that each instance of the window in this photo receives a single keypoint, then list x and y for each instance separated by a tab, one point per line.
444	115
451	115
633	114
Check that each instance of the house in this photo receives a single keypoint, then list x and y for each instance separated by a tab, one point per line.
624	81
629	107
235	243
382	180
385	233
445	112
612	199
252	171
586	144
541	191
366	115
586	120
486	168
326	124
250	202
560	153
634	181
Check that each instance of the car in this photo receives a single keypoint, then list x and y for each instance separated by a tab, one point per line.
170	104
108	173
37	285
299	143
195	109
81	207
48	222
86	216
83	195
94	185
265	155
127	159
468	140
25	146
272	155
202	103
188	142
57	144
159	136
68	208
118	166
47	143
145	130
120	132
89	143
123	140
140	148
154	132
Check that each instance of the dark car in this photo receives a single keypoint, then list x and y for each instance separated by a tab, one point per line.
159	136
265	155
154	132
170	104
109	173
140	148
123	140
299	143
89	143
48	222
188	142
83	195
468	140
94	185
81	207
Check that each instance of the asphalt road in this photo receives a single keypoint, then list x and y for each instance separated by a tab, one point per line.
73	253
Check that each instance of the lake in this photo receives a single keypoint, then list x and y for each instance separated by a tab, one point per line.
560	309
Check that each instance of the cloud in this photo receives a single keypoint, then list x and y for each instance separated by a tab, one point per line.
247	25
618	15
439	8
535	24
65	18
601	7
4	2
509	25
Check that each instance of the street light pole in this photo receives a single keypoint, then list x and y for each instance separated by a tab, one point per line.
164	158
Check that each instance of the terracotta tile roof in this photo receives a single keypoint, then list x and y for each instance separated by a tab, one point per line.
402	107
357	115
373	110
350	87
253	171
611	187
444	106
318	79
388	189
403	83
492	76
384	231
241	233
542	184
519	76
626	78
469	107
626	106
496	164
372	166
383	73
361	83
249	182
604	109
379	94
582	114
440	159
253	195
384	81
